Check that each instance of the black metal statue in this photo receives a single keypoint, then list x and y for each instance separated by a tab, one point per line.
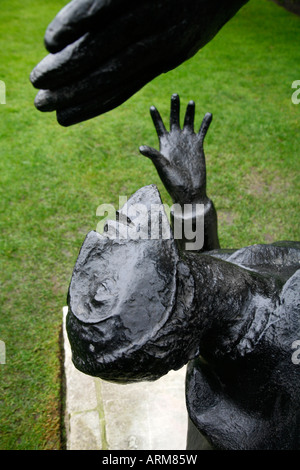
104	51
139	307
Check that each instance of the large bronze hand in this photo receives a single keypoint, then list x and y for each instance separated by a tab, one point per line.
104	51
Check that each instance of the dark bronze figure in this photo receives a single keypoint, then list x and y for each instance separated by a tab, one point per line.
104	51
141	307
138	306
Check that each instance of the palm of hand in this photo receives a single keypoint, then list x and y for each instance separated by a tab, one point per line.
180	161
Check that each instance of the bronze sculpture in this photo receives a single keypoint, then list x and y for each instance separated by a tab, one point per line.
104	51
138	307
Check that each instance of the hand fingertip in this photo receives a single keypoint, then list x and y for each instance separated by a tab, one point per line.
33	77
144	150
44	101
51	40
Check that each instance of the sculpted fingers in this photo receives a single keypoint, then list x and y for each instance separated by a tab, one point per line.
158	122
205	126
114	81
78	17
189	117
160	162
55	70
80	91
95	48
99	103
150	152
123	74
91	34
175	112
69	24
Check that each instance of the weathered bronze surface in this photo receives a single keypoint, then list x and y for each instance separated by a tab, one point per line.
141	307
104	51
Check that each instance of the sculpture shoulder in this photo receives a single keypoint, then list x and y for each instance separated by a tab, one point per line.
280	258
273	304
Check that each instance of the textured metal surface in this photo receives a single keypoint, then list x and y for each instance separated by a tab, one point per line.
139	308
102	52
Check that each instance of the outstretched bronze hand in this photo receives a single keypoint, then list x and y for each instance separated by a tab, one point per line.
180	161
104	51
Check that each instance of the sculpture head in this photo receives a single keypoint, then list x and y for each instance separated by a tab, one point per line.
127	298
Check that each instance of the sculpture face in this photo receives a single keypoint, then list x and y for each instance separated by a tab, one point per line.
121	295
132	282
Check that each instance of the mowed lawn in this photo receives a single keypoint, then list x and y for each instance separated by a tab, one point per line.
54	178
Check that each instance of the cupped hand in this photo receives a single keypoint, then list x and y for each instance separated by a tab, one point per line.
104	51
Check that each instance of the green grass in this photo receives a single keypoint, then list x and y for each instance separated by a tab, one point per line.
53	179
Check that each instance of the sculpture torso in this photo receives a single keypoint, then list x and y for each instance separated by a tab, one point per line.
249	397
